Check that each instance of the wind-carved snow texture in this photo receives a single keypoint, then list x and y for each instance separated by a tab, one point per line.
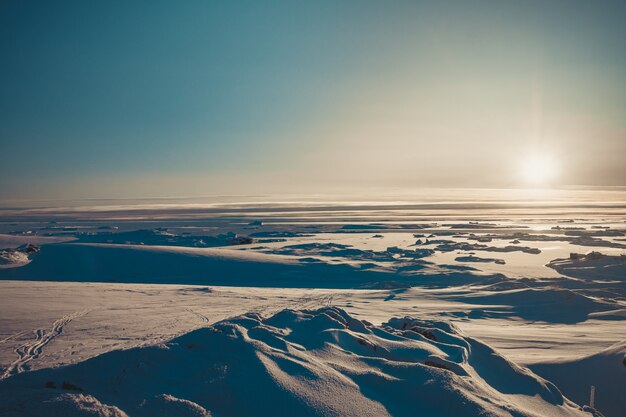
33	349
307	363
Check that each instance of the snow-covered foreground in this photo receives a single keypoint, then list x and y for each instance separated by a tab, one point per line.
312	362
50	324
114	310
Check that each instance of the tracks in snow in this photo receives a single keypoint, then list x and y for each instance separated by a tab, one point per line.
33	349
202	317
13	336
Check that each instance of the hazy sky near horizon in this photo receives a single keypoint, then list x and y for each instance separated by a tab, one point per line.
137	99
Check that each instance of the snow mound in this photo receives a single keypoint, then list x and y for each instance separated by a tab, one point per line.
306	363
19	256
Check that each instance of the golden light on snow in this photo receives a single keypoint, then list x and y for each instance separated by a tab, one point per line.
539	169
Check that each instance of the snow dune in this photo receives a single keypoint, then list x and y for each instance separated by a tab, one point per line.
306	363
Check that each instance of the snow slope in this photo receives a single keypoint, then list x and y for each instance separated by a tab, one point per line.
605	370
306	363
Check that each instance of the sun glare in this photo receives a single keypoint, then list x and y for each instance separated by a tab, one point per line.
538	169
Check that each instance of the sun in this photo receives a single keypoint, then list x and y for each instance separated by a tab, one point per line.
538	169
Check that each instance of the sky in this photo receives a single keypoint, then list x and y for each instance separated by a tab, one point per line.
118	99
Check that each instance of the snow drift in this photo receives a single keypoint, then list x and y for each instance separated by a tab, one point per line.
305	363
605	370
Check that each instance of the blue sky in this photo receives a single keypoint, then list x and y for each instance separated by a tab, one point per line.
119	99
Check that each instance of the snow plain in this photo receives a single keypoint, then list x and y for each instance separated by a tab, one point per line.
98	322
